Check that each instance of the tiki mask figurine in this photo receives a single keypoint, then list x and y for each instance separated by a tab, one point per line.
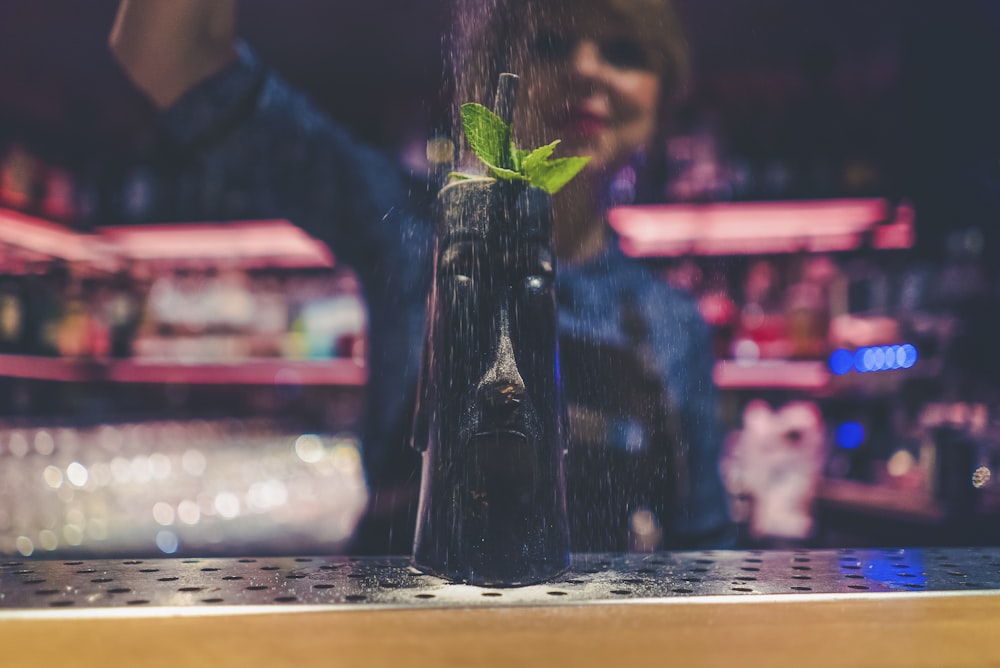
489	418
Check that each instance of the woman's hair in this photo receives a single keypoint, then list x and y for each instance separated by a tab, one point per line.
494	36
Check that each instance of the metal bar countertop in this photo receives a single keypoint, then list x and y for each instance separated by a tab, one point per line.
908	606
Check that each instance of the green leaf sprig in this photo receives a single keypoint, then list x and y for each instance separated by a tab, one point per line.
492	142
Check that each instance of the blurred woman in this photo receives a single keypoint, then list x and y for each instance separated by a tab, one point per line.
597	74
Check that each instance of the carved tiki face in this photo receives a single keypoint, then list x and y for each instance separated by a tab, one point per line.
492	507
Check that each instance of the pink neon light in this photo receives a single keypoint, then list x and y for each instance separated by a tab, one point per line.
805	375
899	233
249	372
47	239
757	227
45	368
273	243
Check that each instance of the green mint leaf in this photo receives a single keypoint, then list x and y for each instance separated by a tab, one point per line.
507	174
531	159
492	142
518	154
489	137
552	175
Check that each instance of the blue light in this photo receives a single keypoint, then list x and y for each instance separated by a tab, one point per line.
849	435
900	357
873	358
841	362
868	359
892	357
887	570
859	360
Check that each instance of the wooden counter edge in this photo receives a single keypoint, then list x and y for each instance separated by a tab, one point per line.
886	630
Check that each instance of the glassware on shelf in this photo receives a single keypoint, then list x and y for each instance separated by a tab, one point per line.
164	487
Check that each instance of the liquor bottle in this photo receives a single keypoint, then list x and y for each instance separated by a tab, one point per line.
12	316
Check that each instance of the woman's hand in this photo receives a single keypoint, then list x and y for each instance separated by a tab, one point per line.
168	46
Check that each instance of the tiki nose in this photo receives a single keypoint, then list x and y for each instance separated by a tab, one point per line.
503	397
501	390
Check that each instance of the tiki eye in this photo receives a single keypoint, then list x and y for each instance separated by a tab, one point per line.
536	262
535	282
460	262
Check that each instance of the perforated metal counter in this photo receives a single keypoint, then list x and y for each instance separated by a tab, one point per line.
832	607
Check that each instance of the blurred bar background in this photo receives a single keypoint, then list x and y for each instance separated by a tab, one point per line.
831	199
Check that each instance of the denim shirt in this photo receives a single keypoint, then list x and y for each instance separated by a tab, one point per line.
267	152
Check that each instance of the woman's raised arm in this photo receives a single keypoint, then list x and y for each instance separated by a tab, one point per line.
168	46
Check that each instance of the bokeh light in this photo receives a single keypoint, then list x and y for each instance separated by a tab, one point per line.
850	435
167	542
309	448
841	361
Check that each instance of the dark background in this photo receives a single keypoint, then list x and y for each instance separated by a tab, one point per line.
847	98
909	86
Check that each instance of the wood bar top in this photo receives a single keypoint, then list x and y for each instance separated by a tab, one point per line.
904	630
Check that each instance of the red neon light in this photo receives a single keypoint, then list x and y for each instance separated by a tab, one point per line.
805	375
47	239
661	230
247	372
899	233
46	368
340	372
758	227
272	243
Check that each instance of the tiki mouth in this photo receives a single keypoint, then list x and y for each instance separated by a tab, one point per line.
502	465
498	438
